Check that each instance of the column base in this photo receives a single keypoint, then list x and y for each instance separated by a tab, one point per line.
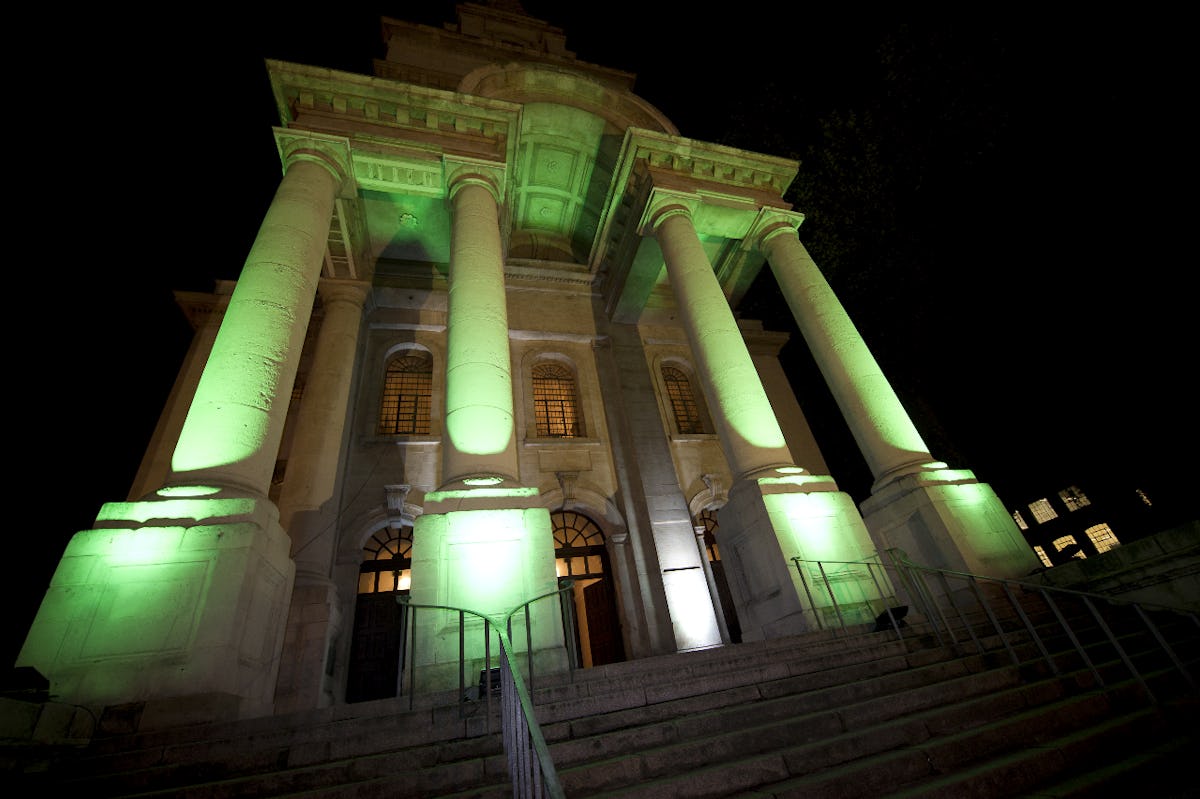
487	552
786	516
947	519
306	669
172	607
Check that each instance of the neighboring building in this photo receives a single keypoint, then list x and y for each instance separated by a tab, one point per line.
485	340
1073	524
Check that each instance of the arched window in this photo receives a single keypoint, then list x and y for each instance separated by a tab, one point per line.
555	404
578	544
683	401
407	394
387	560
708	520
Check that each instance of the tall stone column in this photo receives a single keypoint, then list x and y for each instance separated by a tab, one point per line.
233	429
881	427
313	461
484	542
745	422
758	546
176	605
479	440
206	312
938	516
305	507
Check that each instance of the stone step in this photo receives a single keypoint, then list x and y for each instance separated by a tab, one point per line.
877	760
815	714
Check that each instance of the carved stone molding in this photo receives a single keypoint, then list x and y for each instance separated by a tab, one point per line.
331	152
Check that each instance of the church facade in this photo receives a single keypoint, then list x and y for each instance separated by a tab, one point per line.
486	341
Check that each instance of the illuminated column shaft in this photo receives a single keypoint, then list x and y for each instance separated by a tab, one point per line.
882	428
232	431
479	437
745	421
313	462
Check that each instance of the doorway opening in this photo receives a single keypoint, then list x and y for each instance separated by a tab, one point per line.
580	555
376	665
708	520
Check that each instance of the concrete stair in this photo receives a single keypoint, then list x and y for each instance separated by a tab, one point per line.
845	713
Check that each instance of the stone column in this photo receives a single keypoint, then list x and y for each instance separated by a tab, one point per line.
746	424
479	440
232	432
305	507
178	603
313	461
758	546
206	312
938	516
881	427
484	542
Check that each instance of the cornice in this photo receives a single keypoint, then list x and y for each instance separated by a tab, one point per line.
408	108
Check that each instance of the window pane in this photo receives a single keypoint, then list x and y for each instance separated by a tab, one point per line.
683	401
407	396
1042	512
554	406
1102	537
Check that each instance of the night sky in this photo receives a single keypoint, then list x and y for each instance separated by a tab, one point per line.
1023	282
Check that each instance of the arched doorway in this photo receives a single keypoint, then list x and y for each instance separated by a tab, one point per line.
377	646
708	520
580	555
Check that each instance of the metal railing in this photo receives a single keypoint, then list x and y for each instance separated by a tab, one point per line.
958	606
530	765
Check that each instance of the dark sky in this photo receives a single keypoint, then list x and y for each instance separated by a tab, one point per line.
1044	334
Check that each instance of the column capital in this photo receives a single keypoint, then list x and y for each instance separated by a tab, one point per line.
769	223
462	172
331	152
665	203
351	291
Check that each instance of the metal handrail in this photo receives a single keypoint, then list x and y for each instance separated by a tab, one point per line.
913	578
530	765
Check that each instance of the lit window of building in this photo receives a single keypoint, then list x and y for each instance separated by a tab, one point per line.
683	401
1042	512
1065	541
387	561
1073	498
1020	520
407	395
1102	537
555	406
1043	557
1062	543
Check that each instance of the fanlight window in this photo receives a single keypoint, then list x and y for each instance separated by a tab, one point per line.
578	545
683	401
387	561
407	395
555	408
